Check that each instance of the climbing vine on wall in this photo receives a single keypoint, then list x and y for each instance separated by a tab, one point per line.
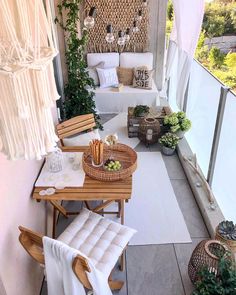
79	94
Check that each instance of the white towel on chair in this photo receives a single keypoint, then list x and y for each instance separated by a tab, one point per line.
61	279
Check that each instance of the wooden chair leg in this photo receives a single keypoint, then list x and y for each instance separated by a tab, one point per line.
115	285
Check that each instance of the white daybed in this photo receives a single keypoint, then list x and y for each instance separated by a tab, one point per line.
108	101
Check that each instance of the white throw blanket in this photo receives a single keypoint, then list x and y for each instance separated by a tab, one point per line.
61	279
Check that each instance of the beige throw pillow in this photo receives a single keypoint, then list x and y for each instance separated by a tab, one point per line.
125	75
142	78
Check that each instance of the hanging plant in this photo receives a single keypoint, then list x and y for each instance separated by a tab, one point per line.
79	94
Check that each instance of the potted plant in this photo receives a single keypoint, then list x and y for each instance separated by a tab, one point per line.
221	283
178	123
226	233
141	110
168	143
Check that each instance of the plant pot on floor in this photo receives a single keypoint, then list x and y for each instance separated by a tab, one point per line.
167	151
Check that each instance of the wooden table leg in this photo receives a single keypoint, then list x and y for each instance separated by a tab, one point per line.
122	211
54	222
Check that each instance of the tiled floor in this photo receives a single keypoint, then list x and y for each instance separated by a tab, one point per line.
161	269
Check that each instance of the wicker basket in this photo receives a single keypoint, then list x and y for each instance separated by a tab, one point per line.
203	255
230	243
121	152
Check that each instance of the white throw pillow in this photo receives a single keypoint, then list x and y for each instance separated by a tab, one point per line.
82	139
107	77
93	72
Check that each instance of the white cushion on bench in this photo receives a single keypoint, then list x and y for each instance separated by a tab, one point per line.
108	101
111	59
133	60
100	239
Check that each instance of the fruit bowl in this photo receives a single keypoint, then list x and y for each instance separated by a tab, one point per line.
121	153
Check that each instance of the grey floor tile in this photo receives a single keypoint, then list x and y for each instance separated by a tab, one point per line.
189	208
153	270
106	117
183	254
141	147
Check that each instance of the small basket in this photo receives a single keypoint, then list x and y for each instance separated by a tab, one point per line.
204	256
120	152
230	243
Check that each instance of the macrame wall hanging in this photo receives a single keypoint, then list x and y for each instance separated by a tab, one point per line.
119	13
27	83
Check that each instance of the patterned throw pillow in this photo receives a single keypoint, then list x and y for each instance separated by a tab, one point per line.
125	75
142	78
93	72
107	77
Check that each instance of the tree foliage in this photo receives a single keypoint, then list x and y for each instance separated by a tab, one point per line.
79	88
220	18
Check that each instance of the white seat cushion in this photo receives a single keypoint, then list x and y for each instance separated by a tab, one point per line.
100	239
134	60
108	101
111	60
81	139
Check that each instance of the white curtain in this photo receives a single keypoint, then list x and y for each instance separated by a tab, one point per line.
188	16
27	82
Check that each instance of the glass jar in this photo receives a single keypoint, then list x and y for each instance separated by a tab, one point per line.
54	161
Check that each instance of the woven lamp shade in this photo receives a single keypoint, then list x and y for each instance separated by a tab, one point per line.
149	130
121	14
205	255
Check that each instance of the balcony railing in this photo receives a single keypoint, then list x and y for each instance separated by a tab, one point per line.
212	109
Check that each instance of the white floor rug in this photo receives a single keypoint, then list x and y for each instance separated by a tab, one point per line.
118	125
153	209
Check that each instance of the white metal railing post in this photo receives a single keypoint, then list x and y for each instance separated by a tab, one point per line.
185	102
216	138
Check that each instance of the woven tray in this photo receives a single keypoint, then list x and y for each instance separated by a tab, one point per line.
121	152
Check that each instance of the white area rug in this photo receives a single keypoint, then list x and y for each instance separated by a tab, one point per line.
118	125
153	209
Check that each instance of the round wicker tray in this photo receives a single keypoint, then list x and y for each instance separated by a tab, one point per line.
120	152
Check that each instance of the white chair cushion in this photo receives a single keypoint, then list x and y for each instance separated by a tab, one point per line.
134	60
110	59
81	139
100	239
107	77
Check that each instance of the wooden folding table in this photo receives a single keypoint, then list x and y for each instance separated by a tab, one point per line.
92	190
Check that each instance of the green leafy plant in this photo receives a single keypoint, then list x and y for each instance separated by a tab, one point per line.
222	283
169	140
227	229
140	110
79	88
216	58
177	122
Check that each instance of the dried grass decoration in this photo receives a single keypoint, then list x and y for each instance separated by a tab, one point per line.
96	149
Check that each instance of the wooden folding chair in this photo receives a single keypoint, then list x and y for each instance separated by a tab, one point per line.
119	238
75	126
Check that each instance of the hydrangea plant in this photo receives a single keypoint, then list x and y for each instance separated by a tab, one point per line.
169	140
177	122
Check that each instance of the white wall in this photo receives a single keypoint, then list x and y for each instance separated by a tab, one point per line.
20	274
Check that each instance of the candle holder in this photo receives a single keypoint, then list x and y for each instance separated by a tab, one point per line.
149	130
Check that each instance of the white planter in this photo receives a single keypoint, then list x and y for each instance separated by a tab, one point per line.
167	151
180	134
